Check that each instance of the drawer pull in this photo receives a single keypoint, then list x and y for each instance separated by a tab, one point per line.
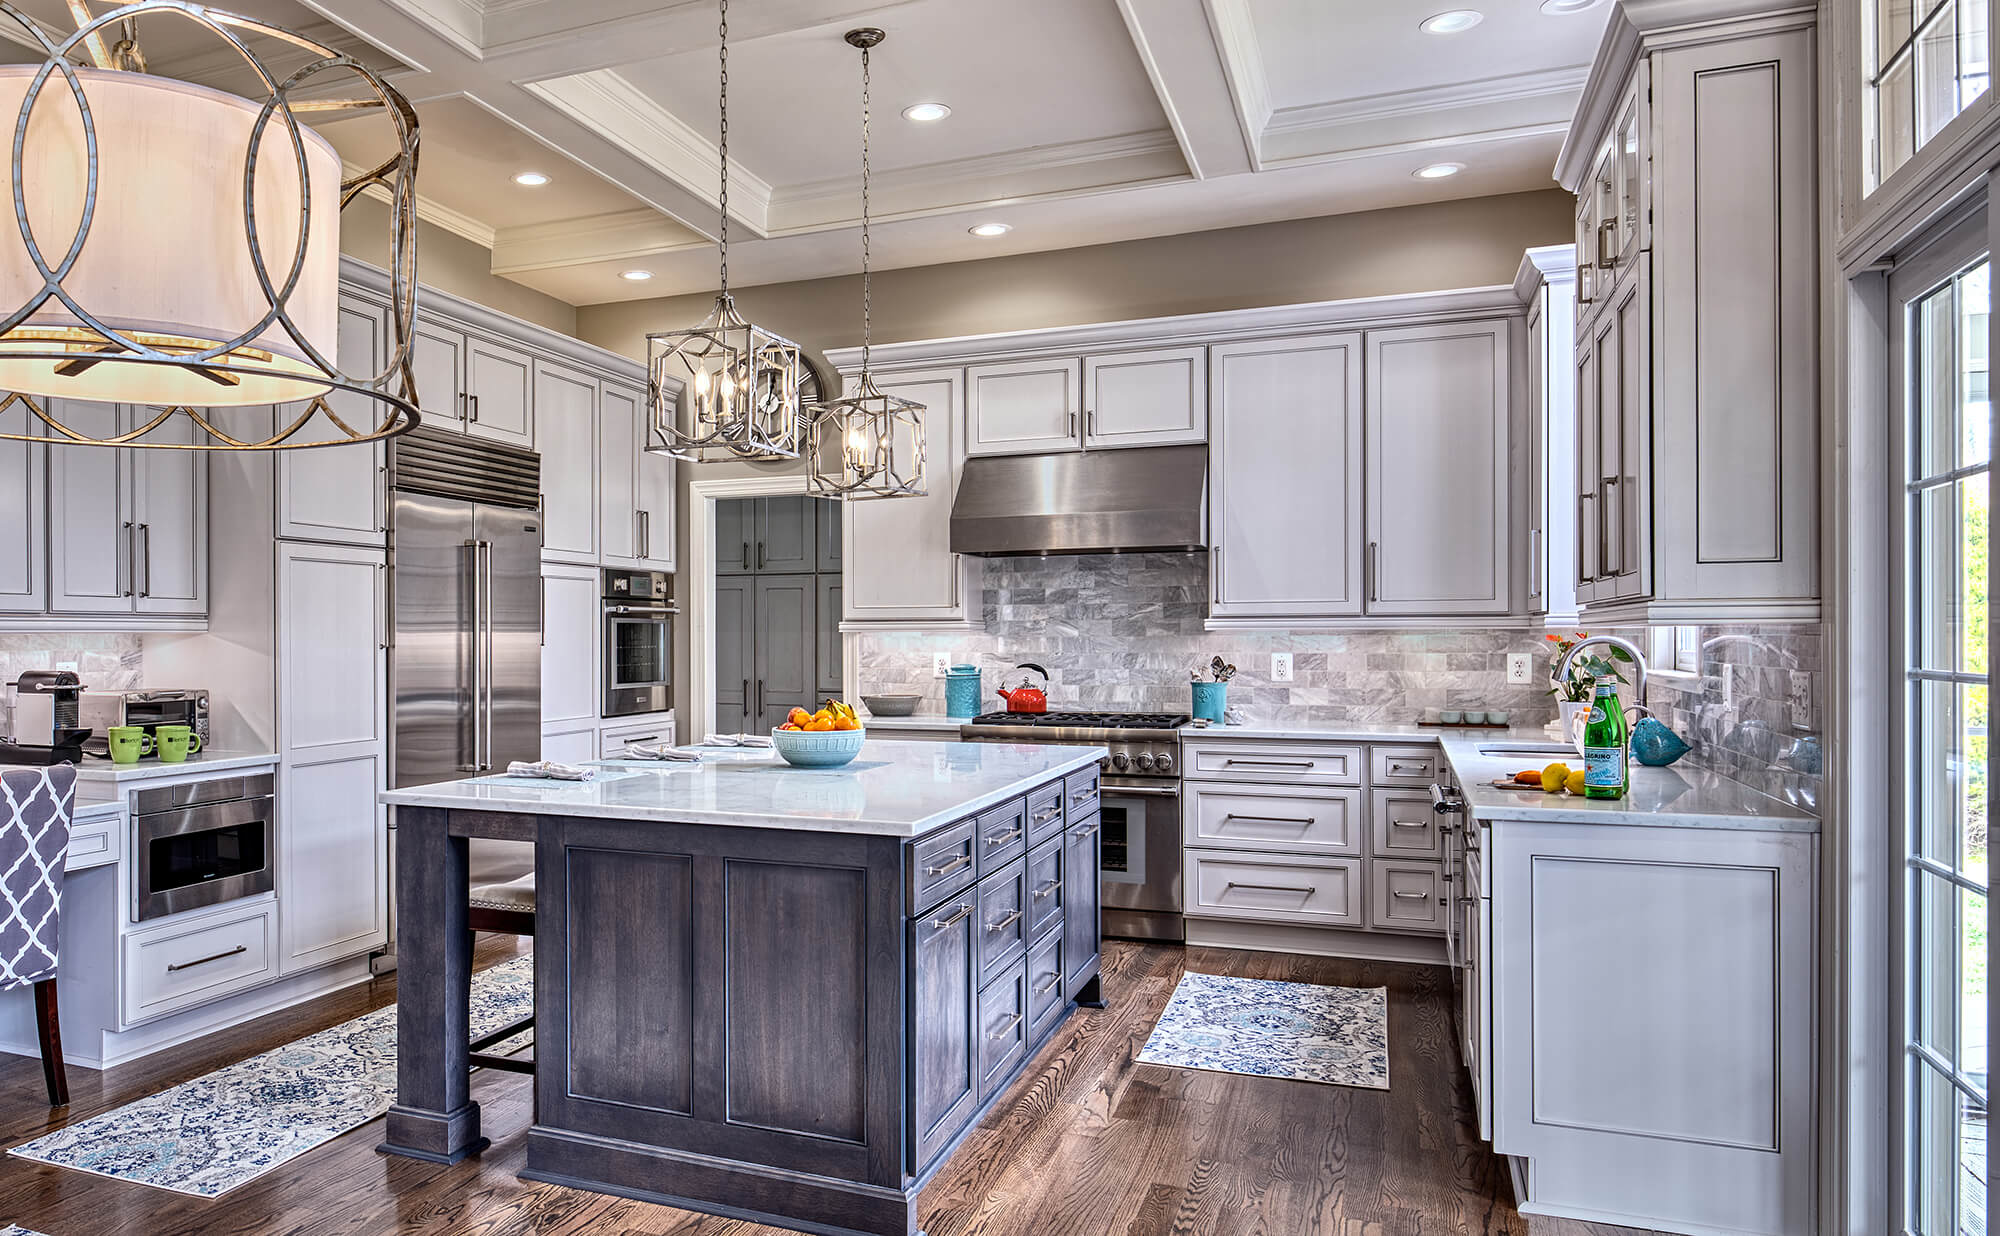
1409	823
1307	889
1048	813
1055	980
1012	1023
1084	796
964	912
1406	895
1004	921
100	842
1086	830
202	961
1230	763
1046	889
957	864
1396	768
1307	822
1005	838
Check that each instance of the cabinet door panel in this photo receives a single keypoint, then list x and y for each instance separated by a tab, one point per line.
1438	422
335	493
736	536
827	523
786	540
1153	398
571	622
1022	407
335	868
898	564
170	516
566	412
497	387
618	456
90	525
826	628
437	358
1285	484
784	652
331	663
1080	904
24	474
943	1063
566	745
735	653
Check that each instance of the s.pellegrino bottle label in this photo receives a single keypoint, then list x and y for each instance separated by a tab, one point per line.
1605	774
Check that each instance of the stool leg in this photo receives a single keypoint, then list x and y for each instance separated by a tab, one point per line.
51	1034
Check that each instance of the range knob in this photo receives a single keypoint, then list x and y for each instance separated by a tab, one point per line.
1163	762
1145	761
1119	760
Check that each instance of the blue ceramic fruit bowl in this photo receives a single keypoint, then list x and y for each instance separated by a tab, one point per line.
818	748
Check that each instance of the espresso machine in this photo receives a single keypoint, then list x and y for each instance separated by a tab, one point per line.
45	705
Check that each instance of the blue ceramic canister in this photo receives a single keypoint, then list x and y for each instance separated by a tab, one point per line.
964	692
1210	700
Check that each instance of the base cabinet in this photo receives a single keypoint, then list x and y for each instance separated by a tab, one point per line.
945	1071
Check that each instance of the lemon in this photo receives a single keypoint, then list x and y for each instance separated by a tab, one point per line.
1554	777
1575	783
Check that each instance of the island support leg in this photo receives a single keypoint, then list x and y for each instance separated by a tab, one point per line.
434	1117
1091	994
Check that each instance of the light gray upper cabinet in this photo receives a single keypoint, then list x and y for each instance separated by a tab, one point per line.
128	528
1285	474
1437	430
1698	339
736	536
827	521
498	400
566	410
169	506
1151	398
1023	407
635	486
896	553
786	539
784	677
24	478
1547	427
437	359
336	493
827	658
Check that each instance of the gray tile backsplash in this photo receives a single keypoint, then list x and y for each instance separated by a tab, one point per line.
102	660
1737	707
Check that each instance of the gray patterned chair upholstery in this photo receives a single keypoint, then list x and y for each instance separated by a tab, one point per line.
35	807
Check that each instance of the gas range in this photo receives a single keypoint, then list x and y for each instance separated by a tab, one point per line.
1139	746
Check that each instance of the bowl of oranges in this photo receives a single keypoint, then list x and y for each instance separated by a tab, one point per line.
824	739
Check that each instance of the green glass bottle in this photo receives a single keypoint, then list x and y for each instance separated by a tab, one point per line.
1606	770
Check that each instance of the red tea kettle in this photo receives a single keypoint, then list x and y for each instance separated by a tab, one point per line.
1027	697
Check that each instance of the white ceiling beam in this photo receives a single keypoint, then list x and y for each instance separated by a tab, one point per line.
1493	109
1234	31
1178	48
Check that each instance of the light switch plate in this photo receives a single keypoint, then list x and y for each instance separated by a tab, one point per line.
1281	667
939	660
1802	699
1520	667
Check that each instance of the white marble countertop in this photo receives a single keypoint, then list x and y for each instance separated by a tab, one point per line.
1673	797
893	788
97	772
916	721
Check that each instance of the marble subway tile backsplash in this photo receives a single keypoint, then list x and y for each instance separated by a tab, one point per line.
102	660
1737	707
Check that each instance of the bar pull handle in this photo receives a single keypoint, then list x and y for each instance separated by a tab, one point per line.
760	555
146	558
1046	814
1044	989
486	610
174	967
1374	570
1408	824
1307	889
1006	1028
746	555
1072	424
131	568
1268	763
1607	245
1404	894
1084	796
1305	822
959	863
1046	890
964	912
1004	921
474	401
1003	838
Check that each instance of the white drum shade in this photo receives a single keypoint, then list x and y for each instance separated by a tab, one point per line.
167	256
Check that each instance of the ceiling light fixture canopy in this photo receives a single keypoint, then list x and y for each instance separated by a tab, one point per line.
866	444
726	388
178	247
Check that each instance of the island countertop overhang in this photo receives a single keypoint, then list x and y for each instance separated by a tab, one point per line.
892	789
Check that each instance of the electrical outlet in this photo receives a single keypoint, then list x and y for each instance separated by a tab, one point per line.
1281	667
939	662
1520	667
1728	684
1802	699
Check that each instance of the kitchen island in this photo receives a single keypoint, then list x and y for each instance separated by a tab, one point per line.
761	991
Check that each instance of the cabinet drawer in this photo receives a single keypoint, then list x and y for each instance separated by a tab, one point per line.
1406	896
1266	888
1404	826
940	865
1411	766
1045	889
1045	814
1003	920
1045	980
1080	794
1278	818
1002	836
193	963
1294	763
95	842
1002	1027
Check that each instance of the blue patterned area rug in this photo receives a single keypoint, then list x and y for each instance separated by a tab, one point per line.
15	1229
207	1136
1302	1031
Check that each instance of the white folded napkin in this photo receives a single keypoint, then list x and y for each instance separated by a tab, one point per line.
549	770
640	751
737	740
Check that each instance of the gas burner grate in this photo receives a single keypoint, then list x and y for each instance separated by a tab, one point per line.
1088	720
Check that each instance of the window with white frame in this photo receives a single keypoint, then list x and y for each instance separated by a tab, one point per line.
1674	650
1924	62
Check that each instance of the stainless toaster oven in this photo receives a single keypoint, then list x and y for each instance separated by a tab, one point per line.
146	707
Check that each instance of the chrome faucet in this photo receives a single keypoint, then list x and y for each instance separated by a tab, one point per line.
1561	672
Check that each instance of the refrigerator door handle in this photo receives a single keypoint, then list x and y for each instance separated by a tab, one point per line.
486	619
472	598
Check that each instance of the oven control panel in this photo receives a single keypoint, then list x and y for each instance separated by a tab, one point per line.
1156	759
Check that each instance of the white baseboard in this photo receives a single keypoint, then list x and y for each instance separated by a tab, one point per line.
1316	941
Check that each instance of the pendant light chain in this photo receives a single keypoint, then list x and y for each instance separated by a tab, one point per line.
722	106
867	303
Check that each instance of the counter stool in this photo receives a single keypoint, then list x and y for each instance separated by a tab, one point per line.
35	807
509	909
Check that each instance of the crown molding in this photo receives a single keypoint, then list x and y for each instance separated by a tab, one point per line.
563	243
1544	264
1428	100
1187	329
434	213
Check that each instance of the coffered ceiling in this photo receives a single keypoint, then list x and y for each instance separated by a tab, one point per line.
1072	121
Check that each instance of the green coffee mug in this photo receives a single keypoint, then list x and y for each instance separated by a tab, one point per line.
128	743
177	742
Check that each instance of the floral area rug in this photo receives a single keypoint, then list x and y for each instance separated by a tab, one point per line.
1303	1031
224	1129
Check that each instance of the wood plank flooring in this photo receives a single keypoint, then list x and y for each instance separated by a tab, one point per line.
1087	1143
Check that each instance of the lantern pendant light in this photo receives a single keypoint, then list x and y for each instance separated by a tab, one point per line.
867	444
725	389
177	248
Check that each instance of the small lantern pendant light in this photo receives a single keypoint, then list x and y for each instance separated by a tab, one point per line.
868	444
738	383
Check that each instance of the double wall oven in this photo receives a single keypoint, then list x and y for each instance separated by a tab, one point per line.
638	642
1140	805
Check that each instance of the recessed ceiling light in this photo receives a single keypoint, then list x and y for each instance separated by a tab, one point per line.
636	276
1438	171
992	229
531	179
926	112
1563	8
1452	21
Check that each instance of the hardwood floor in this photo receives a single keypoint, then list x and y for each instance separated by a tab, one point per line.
1087	1143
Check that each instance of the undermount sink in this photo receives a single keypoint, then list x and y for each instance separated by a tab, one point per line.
1528	748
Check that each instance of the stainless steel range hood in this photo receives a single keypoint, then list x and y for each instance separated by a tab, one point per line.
1088	502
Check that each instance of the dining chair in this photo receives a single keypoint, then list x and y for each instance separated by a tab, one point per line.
35	809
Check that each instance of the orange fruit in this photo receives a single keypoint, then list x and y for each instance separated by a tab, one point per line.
798	717
847	723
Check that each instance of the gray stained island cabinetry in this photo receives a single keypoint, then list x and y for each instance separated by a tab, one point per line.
761	991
